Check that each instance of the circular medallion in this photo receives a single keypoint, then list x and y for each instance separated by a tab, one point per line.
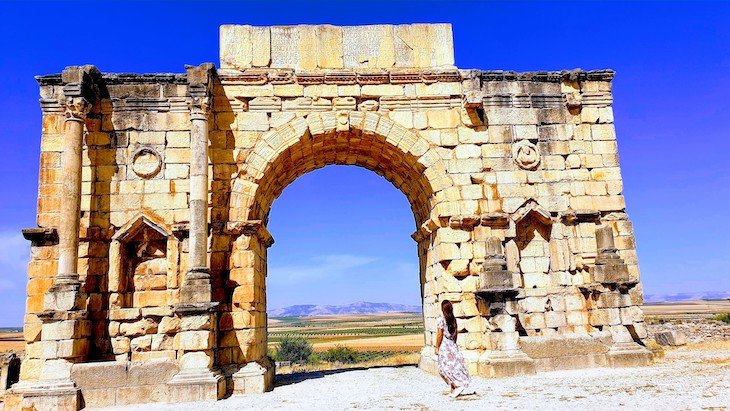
146	163
526	155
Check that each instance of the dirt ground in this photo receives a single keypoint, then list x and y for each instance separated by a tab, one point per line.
687	378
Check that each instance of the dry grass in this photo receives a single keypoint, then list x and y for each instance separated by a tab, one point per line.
708	345
11	342
392	361
686	309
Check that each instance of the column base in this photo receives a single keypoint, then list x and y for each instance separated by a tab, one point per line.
43	395
255	377
497	364
628	355
197	385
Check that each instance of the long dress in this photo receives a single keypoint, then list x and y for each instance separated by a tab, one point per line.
451	362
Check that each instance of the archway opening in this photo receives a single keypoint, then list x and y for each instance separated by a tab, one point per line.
343	276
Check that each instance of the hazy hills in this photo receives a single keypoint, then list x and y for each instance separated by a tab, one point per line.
705	295
364	307
361	307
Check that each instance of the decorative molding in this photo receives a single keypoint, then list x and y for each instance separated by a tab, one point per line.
258	76
494	220
132	227
548	76
41	236
251	228
532	207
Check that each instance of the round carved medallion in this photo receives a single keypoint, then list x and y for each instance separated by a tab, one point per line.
526	155
146	163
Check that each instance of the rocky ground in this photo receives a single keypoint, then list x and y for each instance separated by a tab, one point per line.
690	377
694	330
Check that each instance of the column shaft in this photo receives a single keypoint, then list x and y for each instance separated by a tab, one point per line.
68	230
198	258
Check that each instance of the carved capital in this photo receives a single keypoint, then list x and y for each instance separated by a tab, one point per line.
76	108
199	106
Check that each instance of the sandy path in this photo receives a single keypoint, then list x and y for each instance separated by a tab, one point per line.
683	380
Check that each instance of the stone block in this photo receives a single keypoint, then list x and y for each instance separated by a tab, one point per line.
443	118
141	327
138	394
194	340
565	345
670	337
195	322
152	372
86	375
98	397
254	378
120	345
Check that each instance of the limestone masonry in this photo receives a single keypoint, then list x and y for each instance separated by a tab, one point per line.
148	273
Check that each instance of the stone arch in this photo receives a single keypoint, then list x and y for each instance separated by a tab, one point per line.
305	143
365	139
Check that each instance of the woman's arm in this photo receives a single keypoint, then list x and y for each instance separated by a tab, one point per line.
439	338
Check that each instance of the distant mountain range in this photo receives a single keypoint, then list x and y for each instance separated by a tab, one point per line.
361	307
706	295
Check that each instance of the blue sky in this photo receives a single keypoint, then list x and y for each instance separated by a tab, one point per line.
341	231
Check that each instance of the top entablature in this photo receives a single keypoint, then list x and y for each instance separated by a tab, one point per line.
313	47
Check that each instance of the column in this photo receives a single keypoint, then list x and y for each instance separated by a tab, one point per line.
198	379
196	286
66	328
68	231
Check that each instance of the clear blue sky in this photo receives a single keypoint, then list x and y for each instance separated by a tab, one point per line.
341	231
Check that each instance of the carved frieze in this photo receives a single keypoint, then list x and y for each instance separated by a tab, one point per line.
373	78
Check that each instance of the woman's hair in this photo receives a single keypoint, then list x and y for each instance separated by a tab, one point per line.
448	310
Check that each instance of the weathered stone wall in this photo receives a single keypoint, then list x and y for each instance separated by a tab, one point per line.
513	179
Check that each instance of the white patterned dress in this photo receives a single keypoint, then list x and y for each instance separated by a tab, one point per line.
451	362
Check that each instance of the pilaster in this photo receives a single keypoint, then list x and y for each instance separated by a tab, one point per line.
198	379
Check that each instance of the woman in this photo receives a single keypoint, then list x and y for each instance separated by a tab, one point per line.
451	362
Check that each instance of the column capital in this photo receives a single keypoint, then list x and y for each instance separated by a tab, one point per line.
76	108
199	107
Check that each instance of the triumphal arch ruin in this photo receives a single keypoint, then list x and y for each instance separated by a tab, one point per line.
148	273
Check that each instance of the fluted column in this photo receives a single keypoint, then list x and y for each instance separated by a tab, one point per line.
68	231
196	286
65	294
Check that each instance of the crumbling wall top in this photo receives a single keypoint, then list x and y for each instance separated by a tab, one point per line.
312	47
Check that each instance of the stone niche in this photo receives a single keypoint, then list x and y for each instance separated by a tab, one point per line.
142	290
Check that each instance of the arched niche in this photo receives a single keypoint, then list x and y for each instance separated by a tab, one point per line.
533	226
141	270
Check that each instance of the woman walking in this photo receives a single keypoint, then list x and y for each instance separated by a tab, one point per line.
451	362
